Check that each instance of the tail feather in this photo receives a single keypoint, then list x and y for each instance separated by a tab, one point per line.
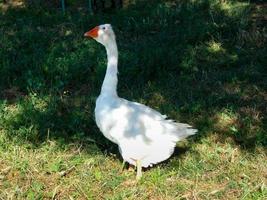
182	131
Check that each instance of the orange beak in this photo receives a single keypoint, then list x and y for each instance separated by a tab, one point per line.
92	33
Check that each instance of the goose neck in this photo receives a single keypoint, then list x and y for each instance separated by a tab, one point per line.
109	86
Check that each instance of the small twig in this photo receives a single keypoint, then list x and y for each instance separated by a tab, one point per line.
5	171
55	192
71	198
78	150
64	173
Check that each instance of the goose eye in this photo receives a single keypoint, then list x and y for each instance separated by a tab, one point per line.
104	28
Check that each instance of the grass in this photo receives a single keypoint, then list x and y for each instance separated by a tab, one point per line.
200	62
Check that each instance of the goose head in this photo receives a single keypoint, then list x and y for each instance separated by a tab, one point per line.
102	34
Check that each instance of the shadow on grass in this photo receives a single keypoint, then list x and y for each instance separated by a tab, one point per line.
199	62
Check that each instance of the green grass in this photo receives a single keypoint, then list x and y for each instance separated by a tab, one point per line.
200	62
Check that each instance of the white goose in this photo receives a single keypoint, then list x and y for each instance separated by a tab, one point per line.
144	136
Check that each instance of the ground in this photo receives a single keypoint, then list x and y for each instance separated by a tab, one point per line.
200	62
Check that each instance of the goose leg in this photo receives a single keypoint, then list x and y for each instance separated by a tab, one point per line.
139	170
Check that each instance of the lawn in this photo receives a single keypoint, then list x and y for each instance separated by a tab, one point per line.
200	62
